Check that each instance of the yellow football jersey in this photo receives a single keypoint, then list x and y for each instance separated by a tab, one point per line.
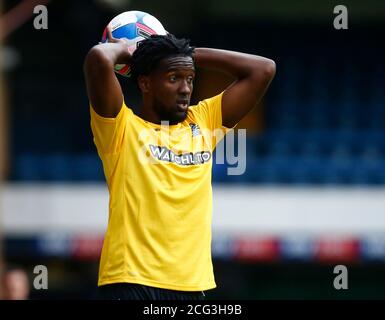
160	208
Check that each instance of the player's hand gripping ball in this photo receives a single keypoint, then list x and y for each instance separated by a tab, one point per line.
134	26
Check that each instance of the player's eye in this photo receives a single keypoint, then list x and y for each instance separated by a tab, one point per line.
190	79
172	78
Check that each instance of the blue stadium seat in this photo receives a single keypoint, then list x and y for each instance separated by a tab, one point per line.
87	167
27	167
56	167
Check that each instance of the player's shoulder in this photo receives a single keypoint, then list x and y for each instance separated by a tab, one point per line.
215	100
126	111
207	101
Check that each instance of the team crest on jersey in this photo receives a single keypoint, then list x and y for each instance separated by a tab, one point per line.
195	130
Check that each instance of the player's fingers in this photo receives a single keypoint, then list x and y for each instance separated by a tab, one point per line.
110	38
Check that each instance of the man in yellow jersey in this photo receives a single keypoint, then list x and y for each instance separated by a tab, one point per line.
158	241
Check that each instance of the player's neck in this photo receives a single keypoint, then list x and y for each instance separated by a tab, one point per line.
149	115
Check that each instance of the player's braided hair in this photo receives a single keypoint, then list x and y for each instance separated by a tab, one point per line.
155	48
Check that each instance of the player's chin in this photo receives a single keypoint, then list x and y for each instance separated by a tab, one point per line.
179	116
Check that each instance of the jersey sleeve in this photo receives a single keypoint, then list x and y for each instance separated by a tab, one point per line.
109	133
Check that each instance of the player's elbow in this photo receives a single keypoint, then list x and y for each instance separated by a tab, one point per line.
267	69
95	59
270	68
263	72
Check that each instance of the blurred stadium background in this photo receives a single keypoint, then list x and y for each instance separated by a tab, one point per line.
312	196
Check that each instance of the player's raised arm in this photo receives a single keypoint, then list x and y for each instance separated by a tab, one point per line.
253	75
103	88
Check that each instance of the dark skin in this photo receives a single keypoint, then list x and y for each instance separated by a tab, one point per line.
167	90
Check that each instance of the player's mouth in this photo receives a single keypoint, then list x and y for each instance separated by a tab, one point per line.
182	104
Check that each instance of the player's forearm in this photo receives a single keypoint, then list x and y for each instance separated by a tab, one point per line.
239	65
109	54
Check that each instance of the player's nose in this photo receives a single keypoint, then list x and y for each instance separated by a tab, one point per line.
184	88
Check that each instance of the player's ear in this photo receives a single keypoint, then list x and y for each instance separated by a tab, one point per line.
144	83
